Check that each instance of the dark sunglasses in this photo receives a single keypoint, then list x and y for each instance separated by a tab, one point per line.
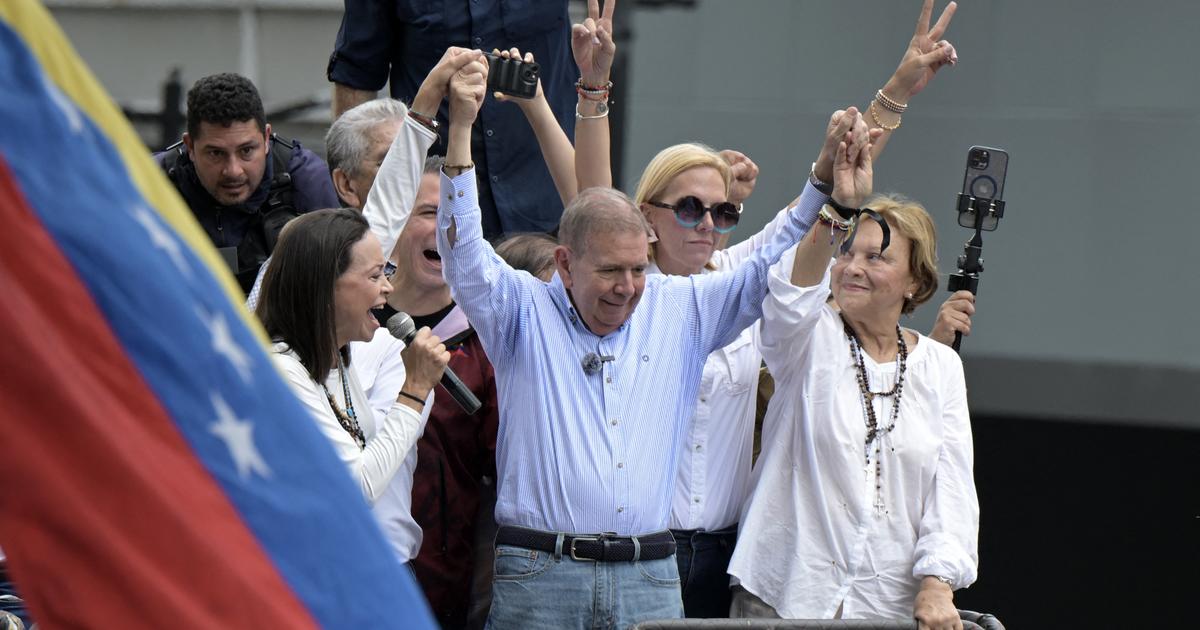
689	212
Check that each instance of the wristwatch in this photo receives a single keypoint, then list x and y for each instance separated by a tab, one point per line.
822	187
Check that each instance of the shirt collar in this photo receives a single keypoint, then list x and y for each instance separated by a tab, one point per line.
562	301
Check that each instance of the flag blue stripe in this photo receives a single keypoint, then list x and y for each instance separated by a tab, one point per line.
308	515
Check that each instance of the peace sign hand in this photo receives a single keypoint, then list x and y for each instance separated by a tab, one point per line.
592	44
927	53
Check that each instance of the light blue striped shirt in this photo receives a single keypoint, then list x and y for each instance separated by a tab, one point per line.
595	453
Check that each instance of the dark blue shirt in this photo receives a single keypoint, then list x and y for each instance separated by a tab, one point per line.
402	40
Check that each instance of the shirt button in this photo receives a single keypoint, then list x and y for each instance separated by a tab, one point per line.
696	499
495	178
698	447
620	464
460	193
449	197
620	509
614	422
478	40
703	399
490	133
608	379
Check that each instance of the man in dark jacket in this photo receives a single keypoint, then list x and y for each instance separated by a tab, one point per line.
242	181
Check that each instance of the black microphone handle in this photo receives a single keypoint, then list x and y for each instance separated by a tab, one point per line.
459	391
957	340
453	385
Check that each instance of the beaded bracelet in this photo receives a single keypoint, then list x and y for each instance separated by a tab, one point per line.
835	225
593	96
428	122
826	217
580	85
889	104
462	168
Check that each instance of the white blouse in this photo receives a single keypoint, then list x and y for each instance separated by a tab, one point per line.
714	466
388	442
811	536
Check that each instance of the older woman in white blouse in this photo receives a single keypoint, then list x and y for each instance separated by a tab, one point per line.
864	504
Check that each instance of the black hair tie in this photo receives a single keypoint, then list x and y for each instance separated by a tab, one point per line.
871	214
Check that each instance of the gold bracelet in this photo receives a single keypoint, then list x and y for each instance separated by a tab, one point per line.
875	117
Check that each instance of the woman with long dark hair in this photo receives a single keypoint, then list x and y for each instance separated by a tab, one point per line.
324	282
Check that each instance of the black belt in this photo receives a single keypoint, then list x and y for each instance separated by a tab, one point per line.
596	547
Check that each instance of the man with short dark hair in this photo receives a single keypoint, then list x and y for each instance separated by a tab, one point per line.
242	181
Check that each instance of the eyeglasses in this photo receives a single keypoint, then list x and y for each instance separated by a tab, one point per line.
689	212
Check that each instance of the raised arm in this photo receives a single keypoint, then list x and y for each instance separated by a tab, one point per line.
392	196
729	302
853	179
556	147
926	53
594	50
799	284
745	175
489	292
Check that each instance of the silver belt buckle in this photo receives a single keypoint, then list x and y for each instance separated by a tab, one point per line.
585	539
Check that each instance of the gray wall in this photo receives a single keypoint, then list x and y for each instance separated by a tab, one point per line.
1087	304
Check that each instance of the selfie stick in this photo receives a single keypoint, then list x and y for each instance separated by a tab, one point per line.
970	262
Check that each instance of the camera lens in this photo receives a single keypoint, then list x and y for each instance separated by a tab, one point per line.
983	187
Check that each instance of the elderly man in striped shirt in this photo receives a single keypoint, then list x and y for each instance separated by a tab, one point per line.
597	373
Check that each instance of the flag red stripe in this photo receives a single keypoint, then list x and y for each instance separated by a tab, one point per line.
92	469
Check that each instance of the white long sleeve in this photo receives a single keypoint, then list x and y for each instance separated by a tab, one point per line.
387	444
394	192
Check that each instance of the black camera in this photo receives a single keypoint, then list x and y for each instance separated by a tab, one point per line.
512	76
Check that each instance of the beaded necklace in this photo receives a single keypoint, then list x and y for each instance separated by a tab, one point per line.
348	419
875	432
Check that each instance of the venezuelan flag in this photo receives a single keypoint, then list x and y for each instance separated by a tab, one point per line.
155	471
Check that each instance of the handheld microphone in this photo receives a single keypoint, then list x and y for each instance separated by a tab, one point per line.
402	327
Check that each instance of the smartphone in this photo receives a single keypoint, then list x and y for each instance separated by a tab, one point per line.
983	179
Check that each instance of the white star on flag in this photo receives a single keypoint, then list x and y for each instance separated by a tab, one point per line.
74	119
224	345
161	238
238	436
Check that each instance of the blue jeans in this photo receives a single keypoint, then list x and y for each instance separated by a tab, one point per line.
540	589
704	568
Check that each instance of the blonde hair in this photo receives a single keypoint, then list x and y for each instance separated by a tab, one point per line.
672	161
910	218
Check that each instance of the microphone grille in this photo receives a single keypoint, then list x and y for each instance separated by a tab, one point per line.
401	326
